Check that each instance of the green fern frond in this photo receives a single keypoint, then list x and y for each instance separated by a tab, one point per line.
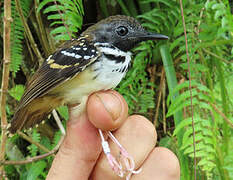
204	143
33	149
65	16
163	17
17	34
56	138
136	87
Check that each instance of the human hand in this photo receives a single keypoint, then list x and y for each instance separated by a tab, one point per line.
80	157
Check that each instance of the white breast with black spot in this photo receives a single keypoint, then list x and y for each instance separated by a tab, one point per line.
110	72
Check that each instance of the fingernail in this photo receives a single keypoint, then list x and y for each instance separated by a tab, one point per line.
111	103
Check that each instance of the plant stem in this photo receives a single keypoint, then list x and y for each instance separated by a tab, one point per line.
216	56
215	43
5	77
228	121
24	136
190	89
158	99
42	31
28	32
36	158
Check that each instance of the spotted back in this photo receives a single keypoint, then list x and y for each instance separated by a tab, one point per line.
61	66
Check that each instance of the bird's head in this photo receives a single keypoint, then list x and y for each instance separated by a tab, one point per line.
123	32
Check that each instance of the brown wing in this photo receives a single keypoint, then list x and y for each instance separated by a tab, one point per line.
58	68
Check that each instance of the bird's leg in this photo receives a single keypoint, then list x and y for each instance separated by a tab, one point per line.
116	165
59	123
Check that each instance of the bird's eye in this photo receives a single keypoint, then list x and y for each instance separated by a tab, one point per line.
122	30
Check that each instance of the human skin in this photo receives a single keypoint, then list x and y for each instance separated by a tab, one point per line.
81	157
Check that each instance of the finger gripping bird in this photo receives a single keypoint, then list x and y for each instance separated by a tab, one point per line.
97	60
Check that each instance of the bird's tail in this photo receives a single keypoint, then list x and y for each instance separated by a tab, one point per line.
33	113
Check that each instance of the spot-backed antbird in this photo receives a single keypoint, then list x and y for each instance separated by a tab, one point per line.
97	60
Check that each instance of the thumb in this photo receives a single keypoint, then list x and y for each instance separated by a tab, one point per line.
81	148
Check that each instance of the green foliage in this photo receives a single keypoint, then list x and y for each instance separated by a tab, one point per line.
161	18
205	138
228	159
136	87
65	17
56	138
17	34
63	111
33	149
17	92
202	38
209	35
209	26
35	170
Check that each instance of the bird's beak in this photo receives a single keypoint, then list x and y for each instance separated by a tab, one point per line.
153	36
144	36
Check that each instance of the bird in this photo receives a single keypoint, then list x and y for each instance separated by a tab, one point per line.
96	60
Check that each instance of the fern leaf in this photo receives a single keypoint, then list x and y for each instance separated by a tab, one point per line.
17	34
33	148
66	17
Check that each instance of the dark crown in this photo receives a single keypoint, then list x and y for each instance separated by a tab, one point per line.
123	32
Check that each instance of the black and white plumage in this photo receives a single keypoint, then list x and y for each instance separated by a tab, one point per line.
97	60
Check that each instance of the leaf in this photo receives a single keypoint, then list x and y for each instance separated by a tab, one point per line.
35	170
64	14
33	148
63	111
57	30
173	109
185	84
43	3
17	35
56	16
184	123
53	8
17	92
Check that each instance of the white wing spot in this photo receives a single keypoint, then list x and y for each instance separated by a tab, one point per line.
76	48
85	49
86	57
77	56
68	53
